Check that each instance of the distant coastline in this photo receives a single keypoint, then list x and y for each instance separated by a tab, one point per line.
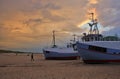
17	52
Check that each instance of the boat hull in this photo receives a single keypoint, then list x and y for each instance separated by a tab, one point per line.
90	56
51	55
100	61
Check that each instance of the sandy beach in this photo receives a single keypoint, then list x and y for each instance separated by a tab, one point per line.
20	66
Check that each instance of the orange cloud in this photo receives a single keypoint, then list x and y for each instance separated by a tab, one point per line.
30	22
33	25
93	1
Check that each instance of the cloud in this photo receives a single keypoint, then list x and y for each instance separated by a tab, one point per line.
27	23
51	6
52	16
113	31
33	20
93	1
4	32
108	13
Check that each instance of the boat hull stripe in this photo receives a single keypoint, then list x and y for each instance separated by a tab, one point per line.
63	58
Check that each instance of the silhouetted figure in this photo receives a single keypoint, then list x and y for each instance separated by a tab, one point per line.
32	58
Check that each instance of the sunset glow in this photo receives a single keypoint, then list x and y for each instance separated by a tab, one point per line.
93	1
28	24
83	23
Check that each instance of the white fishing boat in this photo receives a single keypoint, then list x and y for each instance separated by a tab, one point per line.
99	51
64	53
93	49
60	53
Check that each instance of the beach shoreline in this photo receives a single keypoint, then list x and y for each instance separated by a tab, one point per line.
20	66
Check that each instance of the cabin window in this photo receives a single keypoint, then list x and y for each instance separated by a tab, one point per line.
96	48
96	38
74	47
47	52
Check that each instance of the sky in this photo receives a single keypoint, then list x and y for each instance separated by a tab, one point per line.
27	25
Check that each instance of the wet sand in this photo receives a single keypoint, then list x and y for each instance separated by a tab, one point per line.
21	67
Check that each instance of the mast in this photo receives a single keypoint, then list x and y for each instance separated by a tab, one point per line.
91	24
92	17
74	39
93	30
54	45
93	34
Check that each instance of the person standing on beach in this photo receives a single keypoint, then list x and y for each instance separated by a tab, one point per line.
32	58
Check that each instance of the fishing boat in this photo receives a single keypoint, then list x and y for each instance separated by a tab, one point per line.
99	51
93	49
61	53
